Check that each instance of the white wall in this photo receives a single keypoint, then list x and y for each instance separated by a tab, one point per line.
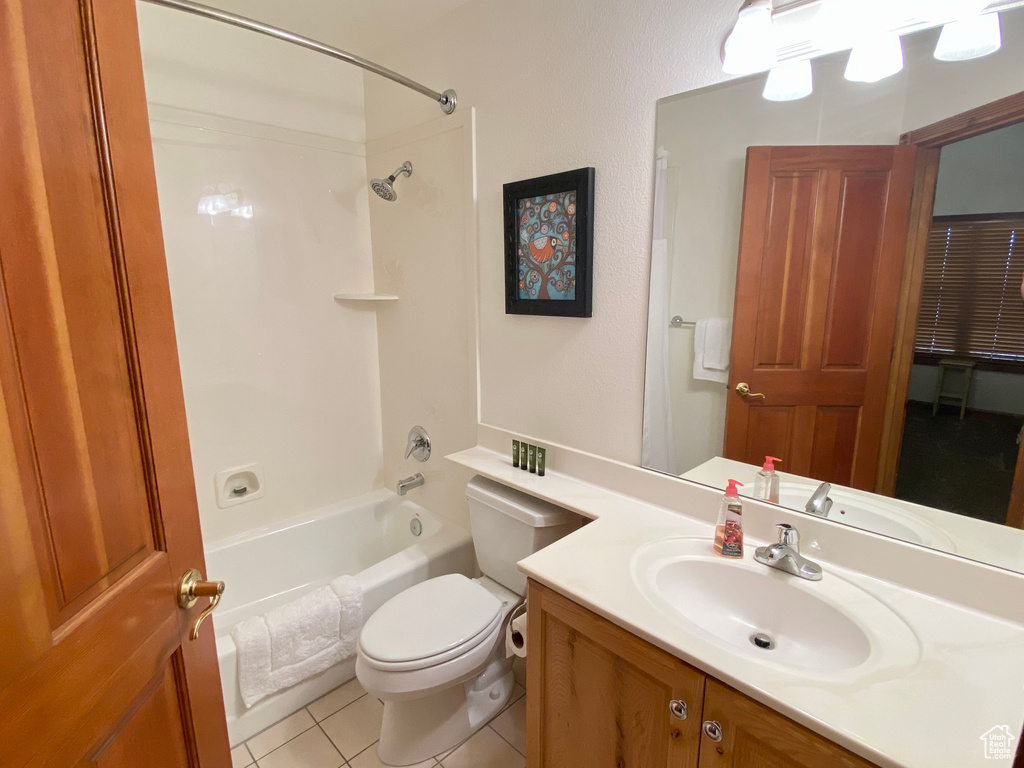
423	249
221	70
990	390
559	86
274	370
983	174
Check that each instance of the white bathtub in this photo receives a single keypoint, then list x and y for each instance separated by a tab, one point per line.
368	537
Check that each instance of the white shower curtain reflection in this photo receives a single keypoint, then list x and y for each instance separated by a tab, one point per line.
659	450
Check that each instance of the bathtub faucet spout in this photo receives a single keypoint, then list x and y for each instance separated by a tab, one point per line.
415	481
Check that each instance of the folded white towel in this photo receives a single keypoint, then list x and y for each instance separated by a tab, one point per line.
304	627
712	343
298	640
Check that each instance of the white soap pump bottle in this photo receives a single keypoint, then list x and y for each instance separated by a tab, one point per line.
766	484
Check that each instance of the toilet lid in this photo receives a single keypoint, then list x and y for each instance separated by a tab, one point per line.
428	619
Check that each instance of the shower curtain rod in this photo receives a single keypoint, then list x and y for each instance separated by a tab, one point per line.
446	100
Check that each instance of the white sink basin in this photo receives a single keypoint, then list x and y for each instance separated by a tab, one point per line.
870	513
815	627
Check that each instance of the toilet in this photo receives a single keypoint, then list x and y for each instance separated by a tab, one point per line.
435	653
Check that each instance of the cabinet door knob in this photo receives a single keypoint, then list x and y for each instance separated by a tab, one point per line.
678	709
713	730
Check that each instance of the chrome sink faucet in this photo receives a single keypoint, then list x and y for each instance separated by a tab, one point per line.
408	483
785	556
819	504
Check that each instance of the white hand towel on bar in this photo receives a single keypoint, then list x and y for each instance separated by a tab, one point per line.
712	340
299	639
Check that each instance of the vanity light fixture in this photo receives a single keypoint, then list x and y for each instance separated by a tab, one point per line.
969	38
750	46
790	81
876	57
218	202
941	11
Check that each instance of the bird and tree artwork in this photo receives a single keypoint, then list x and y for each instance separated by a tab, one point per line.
549	237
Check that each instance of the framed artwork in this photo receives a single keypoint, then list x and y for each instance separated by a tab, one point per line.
549	244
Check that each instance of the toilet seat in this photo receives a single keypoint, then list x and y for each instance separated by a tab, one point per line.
429	624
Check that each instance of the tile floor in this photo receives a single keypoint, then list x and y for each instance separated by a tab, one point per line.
341	729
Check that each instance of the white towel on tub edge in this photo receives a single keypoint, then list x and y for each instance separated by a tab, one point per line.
298	640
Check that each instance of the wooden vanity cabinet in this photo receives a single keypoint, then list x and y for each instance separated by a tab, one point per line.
601	697
754	736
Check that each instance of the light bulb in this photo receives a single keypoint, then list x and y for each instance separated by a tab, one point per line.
969	38
750	46
875	58
790	81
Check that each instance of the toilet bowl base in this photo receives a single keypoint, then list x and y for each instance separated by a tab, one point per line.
414	730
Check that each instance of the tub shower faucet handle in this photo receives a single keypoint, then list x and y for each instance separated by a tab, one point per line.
191	588
418	445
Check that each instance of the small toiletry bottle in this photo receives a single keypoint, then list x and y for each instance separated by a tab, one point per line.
524	448
533	459
729	533
766	484
542	458
515	453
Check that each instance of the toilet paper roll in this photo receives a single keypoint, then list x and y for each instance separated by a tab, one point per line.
515	635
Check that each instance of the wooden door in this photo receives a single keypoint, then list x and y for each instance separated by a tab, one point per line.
1015	511
754	736
599	697
821	257
98	517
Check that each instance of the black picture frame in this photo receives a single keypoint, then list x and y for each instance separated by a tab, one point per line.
580	181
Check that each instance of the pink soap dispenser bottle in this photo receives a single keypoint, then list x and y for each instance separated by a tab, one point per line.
729	532
766	484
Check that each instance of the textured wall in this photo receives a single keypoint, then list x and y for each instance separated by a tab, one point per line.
562	85
559	86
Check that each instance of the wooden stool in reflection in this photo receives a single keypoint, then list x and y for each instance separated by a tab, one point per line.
966	368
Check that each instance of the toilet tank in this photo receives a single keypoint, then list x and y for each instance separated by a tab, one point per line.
509	525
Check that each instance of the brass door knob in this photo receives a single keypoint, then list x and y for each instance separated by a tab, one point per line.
191	588
743	389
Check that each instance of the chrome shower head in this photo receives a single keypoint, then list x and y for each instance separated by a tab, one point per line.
385	188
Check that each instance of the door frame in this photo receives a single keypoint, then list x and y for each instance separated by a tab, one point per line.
930	140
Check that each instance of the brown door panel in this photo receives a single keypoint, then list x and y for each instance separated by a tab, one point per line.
98	516
821	256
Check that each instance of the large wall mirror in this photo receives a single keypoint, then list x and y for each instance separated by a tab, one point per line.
836	281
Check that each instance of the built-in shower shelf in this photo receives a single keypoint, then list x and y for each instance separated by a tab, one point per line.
365	297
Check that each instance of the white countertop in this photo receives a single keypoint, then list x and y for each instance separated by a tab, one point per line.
968	679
